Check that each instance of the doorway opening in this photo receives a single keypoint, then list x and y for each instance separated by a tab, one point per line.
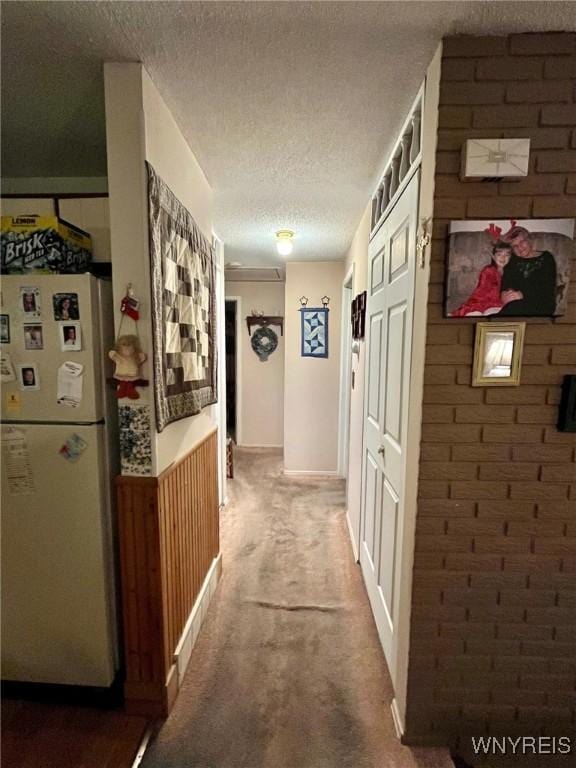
231	310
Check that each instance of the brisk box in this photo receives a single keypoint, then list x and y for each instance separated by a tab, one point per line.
43	244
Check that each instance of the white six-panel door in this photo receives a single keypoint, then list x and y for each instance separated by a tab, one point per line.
391	274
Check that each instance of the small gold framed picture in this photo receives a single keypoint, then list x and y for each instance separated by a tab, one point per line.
498	354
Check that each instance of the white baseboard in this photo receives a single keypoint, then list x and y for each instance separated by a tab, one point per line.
352	542
397	719
312	472
258	445
196	619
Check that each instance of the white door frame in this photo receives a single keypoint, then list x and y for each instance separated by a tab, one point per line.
345	374
431	91
419	330
238	301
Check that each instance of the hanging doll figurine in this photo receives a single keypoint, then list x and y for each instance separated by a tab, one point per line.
128	357
127	353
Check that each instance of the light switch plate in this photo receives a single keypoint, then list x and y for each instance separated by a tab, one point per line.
495	158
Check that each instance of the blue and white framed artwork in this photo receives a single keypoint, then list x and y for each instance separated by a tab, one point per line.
314	331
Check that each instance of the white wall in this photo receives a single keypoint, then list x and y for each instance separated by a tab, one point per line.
311	399
55	185
262	383
357	256
22	206
173	160
140	127
221	405
92	215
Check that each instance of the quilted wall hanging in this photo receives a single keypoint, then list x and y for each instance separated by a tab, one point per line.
314	322
183	307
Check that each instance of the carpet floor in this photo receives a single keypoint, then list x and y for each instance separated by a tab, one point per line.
288	671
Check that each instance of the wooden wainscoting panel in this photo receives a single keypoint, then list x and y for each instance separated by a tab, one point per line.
188	511
169	538
140	577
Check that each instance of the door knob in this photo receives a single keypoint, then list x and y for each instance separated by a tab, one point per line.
381	450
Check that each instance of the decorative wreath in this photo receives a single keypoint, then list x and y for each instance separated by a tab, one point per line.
264	341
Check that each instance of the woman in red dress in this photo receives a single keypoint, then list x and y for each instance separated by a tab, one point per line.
485	299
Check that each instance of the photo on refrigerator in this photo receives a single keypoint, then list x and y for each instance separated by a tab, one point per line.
70	337
66	306
28	376
4	329
33	336
29	303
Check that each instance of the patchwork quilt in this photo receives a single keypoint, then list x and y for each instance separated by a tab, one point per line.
183	307
314	332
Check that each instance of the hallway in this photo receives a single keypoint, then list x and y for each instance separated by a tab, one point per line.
288	671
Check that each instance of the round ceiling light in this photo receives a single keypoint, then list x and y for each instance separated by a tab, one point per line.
284	243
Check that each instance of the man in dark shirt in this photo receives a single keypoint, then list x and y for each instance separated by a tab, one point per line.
529	280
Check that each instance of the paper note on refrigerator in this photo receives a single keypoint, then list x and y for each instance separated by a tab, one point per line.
6	368
70	377
16	458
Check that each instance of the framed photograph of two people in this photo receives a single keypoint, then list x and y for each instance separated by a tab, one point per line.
504	269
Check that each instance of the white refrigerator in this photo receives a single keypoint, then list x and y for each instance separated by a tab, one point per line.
59	459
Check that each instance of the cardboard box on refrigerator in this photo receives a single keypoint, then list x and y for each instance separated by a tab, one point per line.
44	244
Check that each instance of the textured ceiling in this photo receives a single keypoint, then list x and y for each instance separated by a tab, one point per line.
290	107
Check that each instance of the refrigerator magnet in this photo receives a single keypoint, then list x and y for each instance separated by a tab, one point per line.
33	336
73	448
66	306
28	376
4	329
30	304
70	337
13	403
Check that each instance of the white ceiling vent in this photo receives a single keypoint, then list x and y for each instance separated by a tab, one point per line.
253	275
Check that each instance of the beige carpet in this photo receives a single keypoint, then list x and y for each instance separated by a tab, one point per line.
288	671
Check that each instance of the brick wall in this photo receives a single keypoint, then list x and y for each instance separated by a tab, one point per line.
492	647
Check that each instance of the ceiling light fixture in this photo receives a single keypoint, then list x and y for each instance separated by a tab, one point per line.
284	241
